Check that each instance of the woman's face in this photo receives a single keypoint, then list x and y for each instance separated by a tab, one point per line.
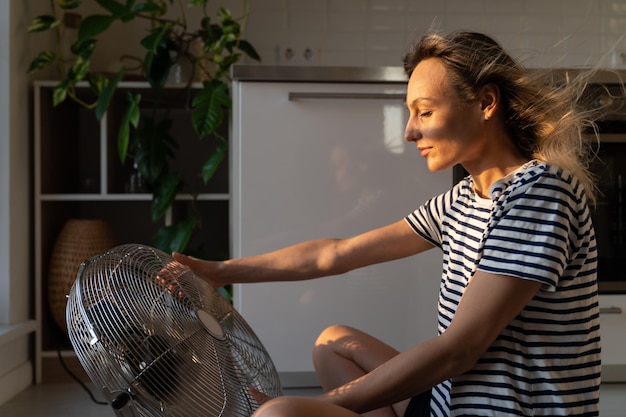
445	130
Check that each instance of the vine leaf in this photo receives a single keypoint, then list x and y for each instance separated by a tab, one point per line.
107	94
209	167
130	118
154	145
175	238
43	23
208	107
93	25
165	194
42	60
69	4
249	50
60	93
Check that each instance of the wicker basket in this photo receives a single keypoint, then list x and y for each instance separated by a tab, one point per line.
79	239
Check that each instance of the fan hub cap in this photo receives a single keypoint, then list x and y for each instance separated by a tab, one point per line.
210	323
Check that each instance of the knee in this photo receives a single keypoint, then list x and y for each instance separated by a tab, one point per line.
330	341
283	406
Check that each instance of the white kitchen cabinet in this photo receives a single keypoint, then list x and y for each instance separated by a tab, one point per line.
327	159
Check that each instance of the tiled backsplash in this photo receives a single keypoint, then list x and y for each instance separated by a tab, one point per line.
541	33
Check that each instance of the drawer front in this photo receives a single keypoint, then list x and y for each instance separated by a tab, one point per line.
613	322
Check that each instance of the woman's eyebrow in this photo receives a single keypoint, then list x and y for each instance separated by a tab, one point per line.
419	100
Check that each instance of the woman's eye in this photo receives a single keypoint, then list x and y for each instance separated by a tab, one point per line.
425	114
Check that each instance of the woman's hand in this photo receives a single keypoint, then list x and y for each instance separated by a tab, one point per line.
207	270
258	396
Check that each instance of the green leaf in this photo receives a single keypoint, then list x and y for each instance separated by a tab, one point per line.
158	59
93	25
147	7
211	164
175	238
107	94
197	3
223	14
84	48
123	138
69	4
158	67
42	60
208	107
117	9
154	145
42	23
247	48
130	117
226	293
60	93
152	41
164	194
212	36
79	70
134	113
97	82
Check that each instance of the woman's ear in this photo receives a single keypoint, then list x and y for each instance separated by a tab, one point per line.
489	100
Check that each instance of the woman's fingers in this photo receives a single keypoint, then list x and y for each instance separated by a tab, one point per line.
258	396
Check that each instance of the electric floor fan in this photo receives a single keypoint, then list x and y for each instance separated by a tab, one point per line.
159	341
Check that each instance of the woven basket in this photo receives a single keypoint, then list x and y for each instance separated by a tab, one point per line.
79	239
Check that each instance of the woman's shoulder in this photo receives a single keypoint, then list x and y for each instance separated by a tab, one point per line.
536	173
543	181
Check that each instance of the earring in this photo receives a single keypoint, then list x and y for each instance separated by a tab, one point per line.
487	117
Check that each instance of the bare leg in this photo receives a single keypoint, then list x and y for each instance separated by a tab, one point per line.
342	354
301	407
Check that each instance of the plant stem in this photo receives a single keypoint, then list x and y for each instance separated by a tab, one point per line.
57	40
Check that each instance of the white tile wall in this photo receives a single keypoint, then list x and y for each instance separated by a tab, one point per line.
378	32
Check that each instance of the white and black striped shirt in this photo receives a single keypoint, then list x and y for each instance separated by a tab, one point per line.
536	226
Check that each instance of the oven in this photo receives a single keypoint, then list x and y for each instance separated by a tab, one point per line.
609	214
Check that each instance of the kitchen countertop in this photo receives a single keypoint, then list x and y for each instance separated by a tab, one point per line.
282	73
302	73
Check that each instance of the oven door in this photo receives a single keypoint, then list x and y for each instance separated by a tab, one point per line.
609	215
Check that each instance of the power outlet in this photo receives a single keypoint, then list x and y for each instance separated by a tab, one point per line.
617	59
291	55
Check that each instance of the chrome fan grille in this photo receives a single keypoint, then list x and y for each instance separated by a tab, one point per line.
159	340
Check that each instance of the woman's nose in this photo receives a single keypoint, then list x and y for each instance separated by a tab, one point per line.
411	134
412	130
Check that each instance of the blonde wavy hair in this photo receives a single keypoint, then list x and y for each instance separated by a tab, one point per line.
545	115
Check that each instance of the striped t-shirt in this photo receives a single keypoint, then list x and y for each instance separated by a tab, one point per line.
536	226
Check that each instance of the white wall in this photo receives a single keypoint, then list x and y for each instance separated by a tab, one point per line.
16	300
551	33
4	159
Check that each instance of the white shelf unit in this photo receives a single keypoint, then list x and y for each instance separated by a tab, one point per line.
77	174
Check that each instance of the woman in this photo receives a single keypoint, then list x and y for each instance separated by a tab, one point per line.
518	310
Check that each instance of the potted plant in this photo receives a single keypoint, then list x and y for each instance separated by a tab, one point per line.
208	50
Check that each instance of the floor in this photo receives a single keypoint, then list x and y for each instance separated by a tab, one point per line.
70	399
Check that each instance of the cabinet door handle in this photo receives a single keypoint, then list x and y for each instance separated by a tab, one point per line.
610	310
294	96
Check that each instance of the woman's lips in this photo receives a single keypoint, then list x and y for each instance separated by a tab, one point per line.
424	151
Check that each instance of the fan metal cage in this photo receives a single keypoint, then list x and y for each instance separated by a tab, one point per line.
160	341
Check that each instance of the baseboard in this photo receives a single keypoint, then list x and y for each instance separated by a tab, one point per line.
16	381
613	373
298	380
10	332
55	371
